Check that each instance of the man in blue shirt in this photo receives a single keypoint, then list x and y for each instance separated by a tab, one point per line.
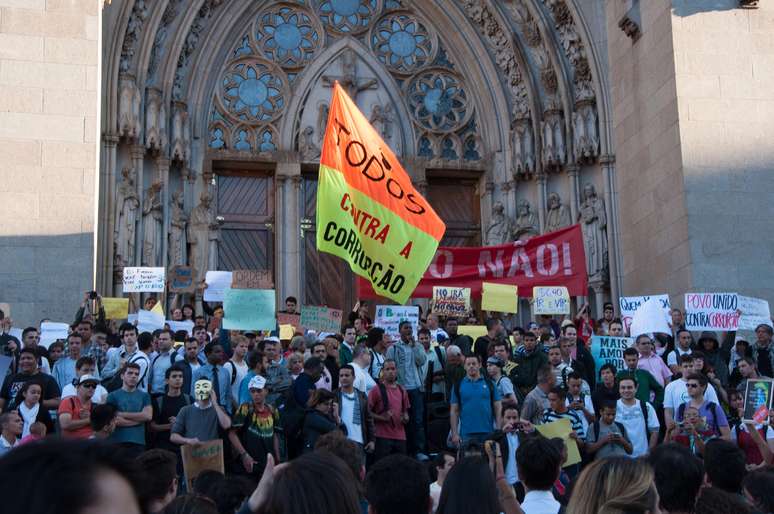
134	410
161	363
215	373
475	405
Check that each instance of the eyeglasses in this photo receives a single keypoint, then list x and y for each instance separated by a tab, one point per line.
89	386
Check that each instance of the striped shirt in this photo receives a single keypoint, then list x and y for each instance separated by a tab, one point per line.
577	426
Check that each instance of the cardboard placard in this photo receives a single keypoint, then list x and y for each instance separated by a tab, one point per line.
176	326
217	283
51	331
143	280
499	297
630	304
116	308
757	400
321	319
550	300
473	331
286	332
204	456
451	301
649	318
148	321
283	318
711	311
755	311
249	309
181	280
251	279
389	318
562	428
609	350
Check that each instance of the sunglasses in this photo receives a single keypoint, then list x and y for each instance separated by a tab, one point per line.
89	386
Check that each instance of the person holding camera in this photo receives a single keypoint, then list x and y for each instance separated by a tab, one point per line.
508	437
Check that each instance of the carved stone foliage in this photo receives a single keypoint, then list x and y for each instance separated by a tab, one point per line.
181	133
191	43
140	13
585	136
129	101
155	121
522	144
552	138
169	16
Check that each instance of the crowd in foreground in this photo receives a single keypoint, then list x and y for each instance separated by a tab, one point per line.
358	422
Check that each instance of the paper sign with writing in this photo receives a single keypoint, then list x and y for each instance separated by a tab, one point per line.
649	318
148	321
249	309
562	429
630	304
499	297
51	331
143	280
711	311
251	279
609	350
283	318
321	319
204	456
389	317
176	326
550	300
757	400
755	311
116	308
473	331
451	301
217	283
181	280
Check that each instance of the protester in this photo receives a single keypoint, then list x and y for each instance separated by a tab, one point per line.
190	362
648	388
134	410
257	363
442	464
325	381
712	500
103	420
128	352
75	411
202	420
253	431
31	409
167	406
347	346
615	484
530	358
607	388
11	427
31	339
218	376
758	488
85	366
509	437
676	393
724	465
471	488
678	475
579	401
160	486
64	369
539	462
398	484
607	437
740	432
353	410
164	359
638	418
536	401
361	360
475	405
494	368
389	405
650	362
28	371
322	416
684	347
710	412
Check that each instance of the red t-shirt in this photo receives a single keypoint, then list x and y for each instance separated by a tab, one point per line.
72	405
398	400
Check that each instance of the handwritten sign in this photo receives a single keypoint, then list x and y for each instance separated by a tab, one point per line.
550	300
757	400
451	301
754	312
630	304
251	279
204	456
294	320
148	321
177	326
711	311
562	429
609	350
51	331
181	280
650	317
321	319
116	308
249	309
143	280
217	283
389	317
499	297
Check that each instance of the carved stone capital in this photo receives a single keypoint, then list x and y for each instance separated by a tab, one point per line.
506	186
573	170
110	139
297	180
607	159
137	152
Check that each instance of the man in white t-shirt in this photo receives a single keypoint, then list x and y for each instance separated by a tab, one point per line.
436	332
86	366
676	392
683	347
361	359
353	410
442	463
236	365
638	418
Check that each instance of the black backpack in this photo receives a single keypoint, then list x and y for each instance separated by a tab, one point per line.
116	382
489	384
386	399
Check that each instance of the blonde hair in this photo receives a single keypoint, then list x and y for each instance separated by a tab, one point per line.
616	485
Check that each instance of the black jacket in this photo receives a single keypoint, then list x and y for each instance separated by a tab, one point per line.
366	419
316	424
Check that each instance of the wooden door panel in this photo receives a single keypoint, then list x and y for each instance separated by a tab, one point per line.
245	249
456	202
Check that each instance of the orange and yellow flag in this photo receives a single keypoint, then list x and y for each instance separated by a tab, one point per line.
368	212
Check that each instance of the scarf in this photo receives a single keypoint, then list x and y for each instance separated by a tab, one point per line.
356	414
28	416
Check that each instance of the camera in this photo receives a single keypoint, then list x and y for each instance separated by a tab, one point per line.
92	295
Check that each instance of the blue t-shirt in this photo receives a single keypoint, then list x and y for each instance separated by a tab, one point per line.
126	401
476	416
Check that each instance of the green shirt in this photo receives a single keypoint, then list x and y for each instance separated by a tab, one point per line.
646	383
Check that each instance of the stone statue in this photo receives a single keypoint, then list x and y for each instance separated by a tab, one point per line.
177	224
152	222
203	234
322	121
558	215
306	146
500	226
127	204
526	224
594	224
381	119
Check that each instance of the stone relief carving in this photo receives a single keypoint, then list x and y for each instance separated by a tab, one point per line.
152	221
552	132
203	235
558	215
349	80
585	135
526	224
523	147
178	220
129	102
190	44
140	13
322	121
126	205
594	224
306	146
500	226
382	119
181	133
155	121
170	13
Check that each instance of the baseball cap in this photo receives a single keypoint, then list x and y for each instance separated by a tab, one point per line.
257	382
497	361
88	378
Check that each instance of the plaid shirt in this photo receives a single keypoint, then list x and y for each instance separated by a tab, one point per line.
95	352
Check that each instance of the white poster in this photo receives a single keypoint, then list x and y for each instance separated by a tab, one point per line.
144	280
217	283
754	312
389	317
51	331
630	304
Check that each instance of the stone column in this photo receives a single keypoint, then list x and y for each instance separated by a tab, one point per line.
611	211
293	238
541	182
599	298
510	199
107	214
506	188
281	228
487	201
572	172
162	174
137	153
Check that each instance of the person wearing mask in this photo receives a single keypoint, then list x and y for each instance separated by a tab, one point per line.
650	362
529	358
11	426
253	432
322	416
353	410
410	357
389	405
476	405
201	420
85	366
75	411
167	406
161	362
509	436
218	375
638	418
536	402
684	347
29	371
607	389
676	392
31	409
64	369
538	463
134	410
348	345
649	389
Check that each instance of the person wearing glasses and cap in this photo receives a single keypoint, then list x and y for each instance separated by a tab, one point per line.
253	430
75	411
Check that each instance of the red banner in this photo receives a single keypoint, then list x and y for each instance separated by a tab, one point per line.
553	259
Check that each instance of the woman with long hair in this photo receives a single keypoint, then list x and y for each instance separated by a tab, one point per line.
322	416
30	407
471	487
616	485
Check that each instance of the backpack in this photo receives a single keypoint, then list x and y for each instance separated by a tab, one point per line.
186	400
713	407
233	371
489	384
386	399
116	382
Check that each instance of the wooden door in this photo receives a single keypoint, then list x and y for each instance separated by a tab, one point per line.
246	205
456	201
327	279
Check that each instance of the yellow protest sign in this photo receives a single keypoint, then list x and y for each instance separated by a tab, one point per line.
157	309
562	429
286	332
116	308
473	331
550	300
368	212
499	297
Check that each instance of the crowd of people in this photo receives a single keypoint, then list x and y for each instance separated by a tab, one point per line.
432	420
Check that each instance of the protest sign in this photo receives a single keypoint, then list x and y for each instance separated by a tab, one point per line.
562	428
116	308
711	311
499	297
283	318
389	317
5	363
251	279
550	300
51	331
204	456
321	319
148	321
755	311
629	305
553	259
181	280
217	283
609	350
451	301
143	280
176	326
249	309
650	318
473	331
757	400
286	332
368	212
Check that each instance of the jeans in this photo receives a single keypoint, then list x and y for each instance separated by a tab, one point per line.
415	430
385	447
